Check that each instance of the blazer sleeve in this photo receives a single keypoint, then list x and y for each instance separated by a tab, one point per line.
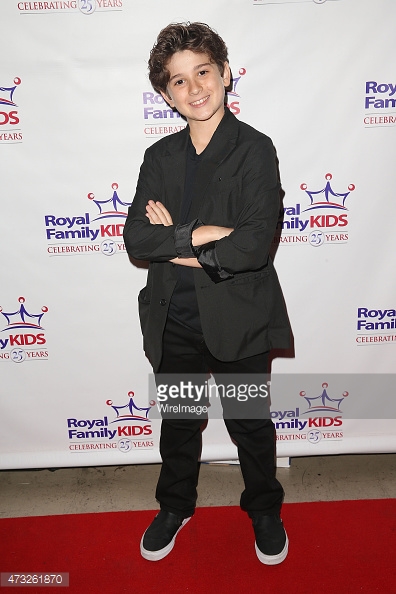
143	240
247	247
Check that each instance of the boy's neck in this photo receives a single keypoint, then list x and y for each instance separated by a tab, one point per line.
201	132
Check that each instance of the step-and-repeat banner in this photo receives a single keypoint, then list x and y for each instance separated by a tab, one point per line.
77	112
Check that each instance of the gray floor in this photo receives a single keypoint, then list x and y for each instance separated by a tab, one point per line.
120	488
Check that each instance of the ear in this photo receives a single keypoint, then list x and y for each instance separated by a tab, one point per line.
226	75
168	99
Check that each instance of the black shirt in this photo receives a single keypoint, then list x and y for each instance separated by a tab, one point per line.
183	307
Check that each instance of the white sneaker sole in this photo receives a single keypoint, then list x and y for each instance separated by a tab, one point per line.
273	559
158	555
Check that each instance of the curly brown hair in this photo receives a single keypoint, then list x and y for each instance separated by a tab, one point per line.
176	37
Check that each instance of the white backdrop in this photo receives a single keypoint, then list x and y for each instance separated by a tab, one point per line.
76	114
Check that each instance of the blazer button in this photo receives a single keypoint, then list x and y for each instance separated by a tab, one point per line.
163	302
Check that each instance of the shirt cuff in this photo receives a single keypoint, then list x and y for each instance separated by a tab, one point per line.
207	257
183	240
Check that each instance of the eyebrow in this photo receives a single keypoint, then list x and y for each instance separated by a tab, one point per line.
198	67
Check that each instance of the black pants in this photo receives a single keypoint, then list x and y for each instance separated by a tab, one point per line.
185	351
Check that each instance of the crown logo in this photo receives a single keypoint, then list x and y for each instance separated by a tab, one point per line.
6	93
127	412
22	318
327	198
114	201
323	403
235	81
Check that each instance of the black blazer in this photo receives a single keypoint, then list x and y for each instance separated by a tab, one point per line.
237	186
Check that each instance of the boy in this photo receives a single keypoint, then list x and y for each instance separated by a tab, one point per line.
204	215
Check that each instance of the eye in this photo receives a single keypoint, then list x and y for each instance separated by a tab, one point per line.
203	72
178	82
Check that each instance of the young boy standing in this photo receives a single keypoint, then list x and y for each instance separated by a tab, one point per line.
204	215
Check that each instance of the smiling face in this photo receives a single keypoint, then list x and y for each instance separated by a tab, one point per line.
196	88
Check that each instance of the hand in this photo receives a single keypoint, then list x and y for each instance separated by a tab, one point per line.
208	233
191	262
158	214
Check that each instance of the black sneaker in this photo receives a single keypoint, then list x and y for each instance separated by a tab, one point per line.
271	539
159	538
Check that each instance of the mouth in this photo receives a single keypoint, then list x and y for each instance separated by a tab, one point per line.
200	102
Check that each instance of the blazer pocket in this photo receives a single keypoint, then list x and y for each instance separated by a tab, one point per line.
142	296
220	204
222	185
144	309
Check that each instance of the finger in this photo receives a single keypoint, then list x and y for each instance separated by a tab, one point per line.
162	213
157	214
150	219
153	215
165	213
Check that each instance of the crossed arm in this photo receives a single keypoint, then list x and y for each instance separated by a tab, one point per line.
159	215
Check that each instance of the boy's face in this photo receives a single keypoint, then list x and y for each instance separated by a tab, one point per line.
196	88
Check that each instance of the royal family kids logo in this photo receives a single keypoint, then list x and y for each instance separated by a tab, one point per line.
375	326
86	7
379	104
159	119
125	428
233	98
321	420
23	337
96	232
321	218
10	131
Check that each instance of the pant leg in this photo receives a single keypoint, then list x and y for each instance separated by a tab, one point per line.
180	449
181	441
255	439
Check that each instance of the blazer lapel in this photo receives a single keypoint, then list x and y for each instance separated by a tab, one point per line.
174	165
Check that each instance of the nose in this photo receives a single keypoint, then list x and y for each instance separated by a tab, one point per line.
194	87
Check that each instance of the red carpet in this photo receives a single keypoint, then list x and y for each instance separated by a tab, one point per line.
335	548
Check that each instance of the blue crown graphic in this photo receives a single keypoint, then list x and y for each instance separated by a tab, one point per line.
114	201
322	403
327	198
22	317
235	81
6	93
127	411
